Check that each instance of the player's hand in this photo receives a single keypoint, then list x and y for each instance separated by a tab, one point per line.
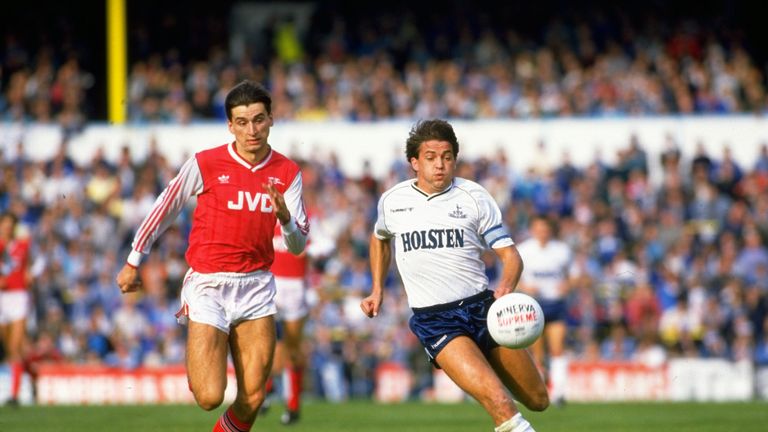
503	289
371	304
128	279
278	203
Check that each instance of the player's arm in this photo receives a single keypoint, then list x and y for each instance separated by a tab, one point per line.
527	285
565	284
511	269
497	237
380	257
380	254
6	267
290	212
164	211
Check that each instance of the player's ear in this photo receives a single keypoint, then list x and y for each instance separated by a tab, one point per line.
271	120
415	164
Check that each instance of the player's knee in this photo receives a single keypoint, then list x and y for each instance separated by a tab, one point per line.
538	401
251	401
208	400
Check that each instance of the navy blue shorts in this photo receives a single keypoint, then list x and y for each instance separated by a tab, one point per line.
279	330
554	310
437	325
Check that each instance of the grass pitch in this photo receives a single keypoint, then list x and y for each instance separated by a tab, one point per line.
407	417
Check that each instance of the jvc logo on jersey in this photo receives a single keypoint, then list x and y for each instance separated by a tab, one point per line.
432	239
258	202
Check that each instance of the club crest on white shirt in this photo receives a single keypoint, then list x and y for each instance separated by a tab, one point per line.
458	213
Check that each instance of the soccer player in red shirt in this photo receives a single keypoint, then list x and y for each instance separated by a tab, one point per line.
291	280
14	298
243	189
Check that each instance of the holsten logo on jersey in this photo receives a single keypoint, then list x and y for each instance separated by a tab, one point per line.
433	239
257	202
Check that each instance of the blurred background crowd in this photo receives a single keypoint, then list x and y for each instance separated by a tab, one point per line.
674	268
401	60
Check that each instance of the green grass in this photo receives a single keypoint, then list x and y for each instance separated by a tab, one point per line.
409	417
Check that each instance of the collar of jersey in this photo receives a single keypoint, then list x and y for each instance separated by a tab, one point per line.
239	159
434	195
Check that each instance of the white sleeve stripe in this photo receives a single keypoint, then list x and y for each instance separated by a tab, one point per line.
493	242
493	228
153	221
495	234
303	228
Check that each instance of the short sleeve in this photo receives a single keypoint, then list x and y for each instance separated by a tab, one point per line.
380	229
490	224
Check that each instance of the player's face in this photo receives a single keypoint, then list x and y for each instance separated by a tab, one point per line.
541	231
435	166
6	227
250	125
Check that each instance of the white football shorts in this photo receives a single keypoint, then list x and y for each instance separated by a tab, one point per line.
291	298
14	305
226	299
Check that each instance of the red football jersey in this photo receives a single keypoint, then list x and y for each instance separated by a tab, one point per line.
287	264
14	260
233	222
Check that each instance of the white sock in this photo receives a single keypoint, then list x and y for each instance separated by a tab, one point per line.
558	374
516	424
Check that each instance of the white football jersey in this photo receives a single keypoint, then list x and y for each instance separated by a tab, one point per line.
438	239
546	267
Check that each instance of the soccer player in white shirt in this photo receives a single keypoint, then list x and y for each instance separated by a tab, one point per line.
243	189
439	225
547	263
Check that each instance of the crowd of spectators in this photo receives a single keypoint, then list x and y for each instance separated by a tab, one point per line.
659	271
405	65
674	269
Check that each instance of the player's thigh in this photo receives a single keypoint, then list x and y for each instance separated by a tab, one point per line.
253	345
16	333
4	329
279	358
554	333
518	372
293	332
207	349
465	364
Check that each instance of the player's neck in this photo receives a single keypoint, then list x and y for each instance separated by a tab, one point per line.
256	157
429	189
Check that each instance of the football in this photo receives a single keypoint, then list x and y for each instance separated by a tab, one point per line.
515	320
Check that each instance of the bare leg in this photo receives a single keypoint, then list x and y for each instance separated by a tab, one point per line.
294	331
207	364
253	347
518	371
466	365
558	364
294	371
14	336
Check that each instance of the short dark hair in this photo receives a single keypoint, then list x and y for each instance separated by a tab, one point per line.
11	216
426	130
245	93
